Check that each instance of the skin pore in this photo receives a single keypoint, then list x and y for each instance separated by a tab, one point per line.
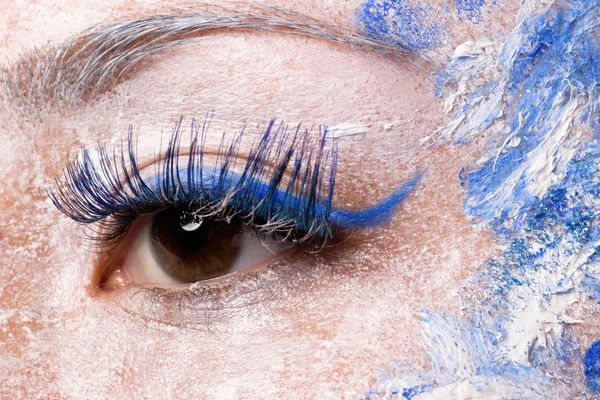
331	322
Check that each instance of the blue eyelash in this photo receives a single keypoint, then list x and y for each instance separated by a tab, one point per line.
298	207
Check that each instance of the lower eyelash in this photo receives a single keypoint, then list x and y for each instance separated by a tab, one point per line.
203	306
214	306
108	190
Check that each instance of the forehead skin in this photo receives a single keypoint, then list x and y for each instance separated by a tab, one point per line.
339	323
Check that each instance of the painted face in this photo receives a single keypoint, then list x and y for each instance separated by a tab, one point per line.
376	199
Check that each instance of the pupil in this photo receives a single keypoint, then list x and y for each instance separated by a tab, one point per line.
191	255
190	222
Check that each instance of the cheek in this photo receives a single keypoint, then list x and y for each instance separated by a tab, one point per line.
355	307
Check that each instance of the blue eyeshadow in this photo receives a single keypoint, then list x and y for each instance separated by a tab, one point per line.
591	369
470	9
410	26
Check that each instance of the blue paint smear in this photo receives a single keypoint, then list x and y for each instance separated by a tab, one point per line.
410	393
560	223
559	58
470	9
591	369
410	26
592	287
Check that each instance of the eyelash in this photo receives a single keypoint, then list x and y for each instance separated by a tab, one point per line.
111	193
201	306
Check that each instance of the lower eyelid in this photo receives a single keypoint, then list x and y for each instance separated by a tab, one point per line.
207	306
220	303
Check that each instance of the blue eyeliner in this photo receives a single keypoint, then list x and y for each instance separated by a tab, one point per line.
377	215
283	204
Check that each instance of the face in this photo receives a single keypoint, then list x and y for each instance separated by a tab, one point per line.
309	199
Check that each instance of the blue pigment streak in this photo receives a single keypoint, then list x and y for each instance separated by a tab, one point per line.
591	369
410	393
411	26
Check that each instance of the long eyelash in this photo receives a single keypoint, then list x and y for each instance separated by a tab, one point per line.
104	187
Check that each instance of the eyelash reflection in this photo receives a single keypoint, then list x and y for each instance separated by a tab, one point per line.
284	190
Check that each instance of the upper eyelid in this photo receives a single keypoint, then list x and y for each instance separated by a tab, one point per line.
376	215
113	186
93	62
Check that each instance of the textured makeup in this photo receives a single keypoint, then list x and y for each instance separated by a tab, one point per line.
410	25
592	367
470	10
538	189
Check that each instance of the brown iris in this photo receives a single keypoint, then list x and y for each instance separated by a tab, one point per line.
191	255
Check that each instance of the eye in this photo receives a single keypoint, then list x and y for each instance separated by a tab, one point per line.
199	214
210	226
175	246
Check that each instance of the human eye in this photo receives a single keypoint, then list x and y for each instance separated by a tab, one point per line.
199	216
225	220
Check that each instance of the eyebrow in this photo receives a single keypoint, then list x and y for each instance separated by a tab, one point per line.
102	57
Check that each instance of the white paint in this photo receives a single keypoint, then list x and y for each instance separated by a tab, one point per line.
474	388
470	60
534	313
348	129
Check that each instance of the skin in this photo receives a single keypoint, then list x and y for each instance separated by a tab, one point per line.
334	321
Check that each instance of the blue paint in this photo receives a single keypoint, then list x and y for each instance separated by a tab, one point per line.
557	358
559	59
409	25
544	232
592	287
591	369
410	393
470	9
558	225
462	176
377	215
